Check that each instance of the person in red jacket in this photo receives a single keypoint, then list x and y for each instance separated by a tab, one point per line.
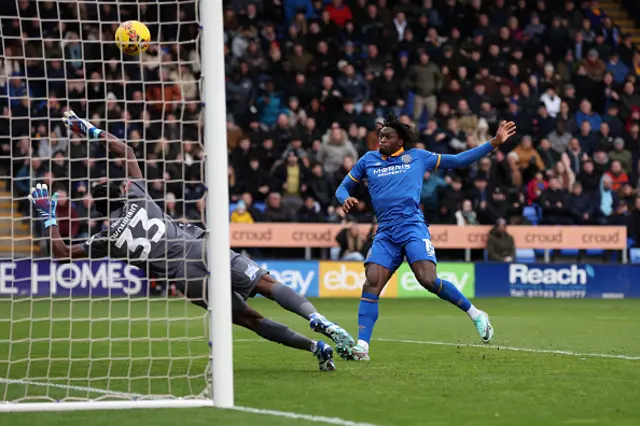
339	12
618	176
535	188
68	222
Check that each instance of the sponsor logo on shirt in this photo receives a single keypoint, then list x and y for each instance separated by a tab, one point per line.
391	170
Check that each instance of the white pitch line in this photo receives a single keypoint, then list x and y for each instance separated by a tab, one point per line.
287	414
495	347
515	349
298	416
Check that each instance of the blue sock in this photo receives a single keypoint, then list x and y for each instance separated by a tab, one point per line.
367	315
445	290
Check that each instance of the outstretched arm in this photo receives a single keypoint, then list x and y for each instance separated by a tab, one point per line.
61	251
113	144
464	159
46	208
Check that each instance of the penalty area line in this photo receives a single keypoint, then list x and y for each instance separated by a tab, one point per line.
515	349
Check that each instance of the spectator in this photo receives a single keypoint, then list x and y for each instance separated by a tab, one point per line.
564	174
335	147
617	68
171	206
351	243
500	244
535	188
581	206
587	114
549	156
68	221
240	214
309	212
609	212
551	101
559	138
528	158
339	12
353	86
290	177
621	155
554	204
465	215
617	175
426	81
320	187
274	211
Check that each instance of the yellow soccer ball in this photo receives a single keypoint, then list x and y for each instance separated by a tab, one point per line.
133	37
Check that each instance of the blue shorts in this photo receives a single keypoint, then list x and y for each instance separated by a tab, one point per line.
390	246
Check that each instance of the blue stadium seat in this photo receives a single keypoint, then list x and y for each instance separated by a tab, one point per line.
232	207
260	206
525	255
595	252
569	252
531	214
634	255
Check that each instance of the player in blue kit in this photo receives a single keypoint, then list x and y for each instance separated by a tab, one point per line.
395	174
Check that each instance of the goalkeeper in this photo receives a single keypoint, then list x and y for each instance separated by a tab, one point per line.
141	234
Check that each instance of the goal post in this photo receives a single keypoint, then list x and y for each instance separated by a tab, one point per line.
95	333
217	203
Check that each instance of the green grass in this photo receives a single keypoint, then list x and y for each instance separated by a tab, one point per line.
405	383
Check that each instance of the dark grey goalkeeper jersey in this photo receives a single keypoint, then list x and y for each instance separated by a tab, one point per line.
142	235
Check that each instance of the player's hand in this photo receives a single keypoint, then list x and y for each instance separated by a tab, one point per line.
44	205
79	125
349	203
505	131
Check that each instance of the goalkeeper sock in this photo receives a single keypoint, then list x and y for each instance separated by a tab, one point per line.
280	333
367	316
292	301
446	290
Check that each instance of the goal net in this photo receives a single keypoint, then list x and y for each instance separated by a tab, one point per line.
96	330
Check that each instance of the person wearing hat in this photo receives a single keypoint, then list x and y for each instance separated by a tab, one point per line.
594	66
622	155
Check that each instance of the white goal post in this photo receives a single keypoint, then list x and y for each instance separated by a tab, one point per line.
97	334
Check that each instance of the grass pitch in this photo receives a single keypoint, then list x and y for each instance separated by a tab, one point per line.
411	380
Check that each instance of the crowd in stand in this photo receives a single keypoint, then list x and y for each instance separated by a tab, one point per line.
306	83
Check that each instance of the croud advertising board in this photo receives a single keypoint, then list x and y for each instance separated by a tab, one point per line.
462	275
301	276
79	278
562	281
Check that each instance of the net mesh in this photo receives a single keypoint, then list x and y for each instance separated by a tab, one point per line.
95	329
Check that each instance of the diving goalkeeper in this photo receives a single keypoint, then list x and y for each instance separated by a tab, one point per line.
141	234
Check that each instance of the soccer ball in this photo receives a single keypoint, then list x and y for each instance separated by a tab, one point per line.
133	37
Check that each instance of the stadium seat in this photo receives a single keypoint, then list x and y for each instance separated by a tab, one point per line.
531	214
634	255
232	207
260	206
525	255
569	252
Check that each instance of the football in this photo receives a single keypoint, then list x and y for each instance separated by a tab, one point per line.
133	37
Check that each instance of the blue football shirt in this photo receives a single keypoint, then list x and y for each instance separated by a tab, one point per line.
395	183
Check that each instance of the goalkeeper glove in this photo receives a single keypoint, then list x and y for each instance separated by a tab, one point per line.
45	206
80	126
